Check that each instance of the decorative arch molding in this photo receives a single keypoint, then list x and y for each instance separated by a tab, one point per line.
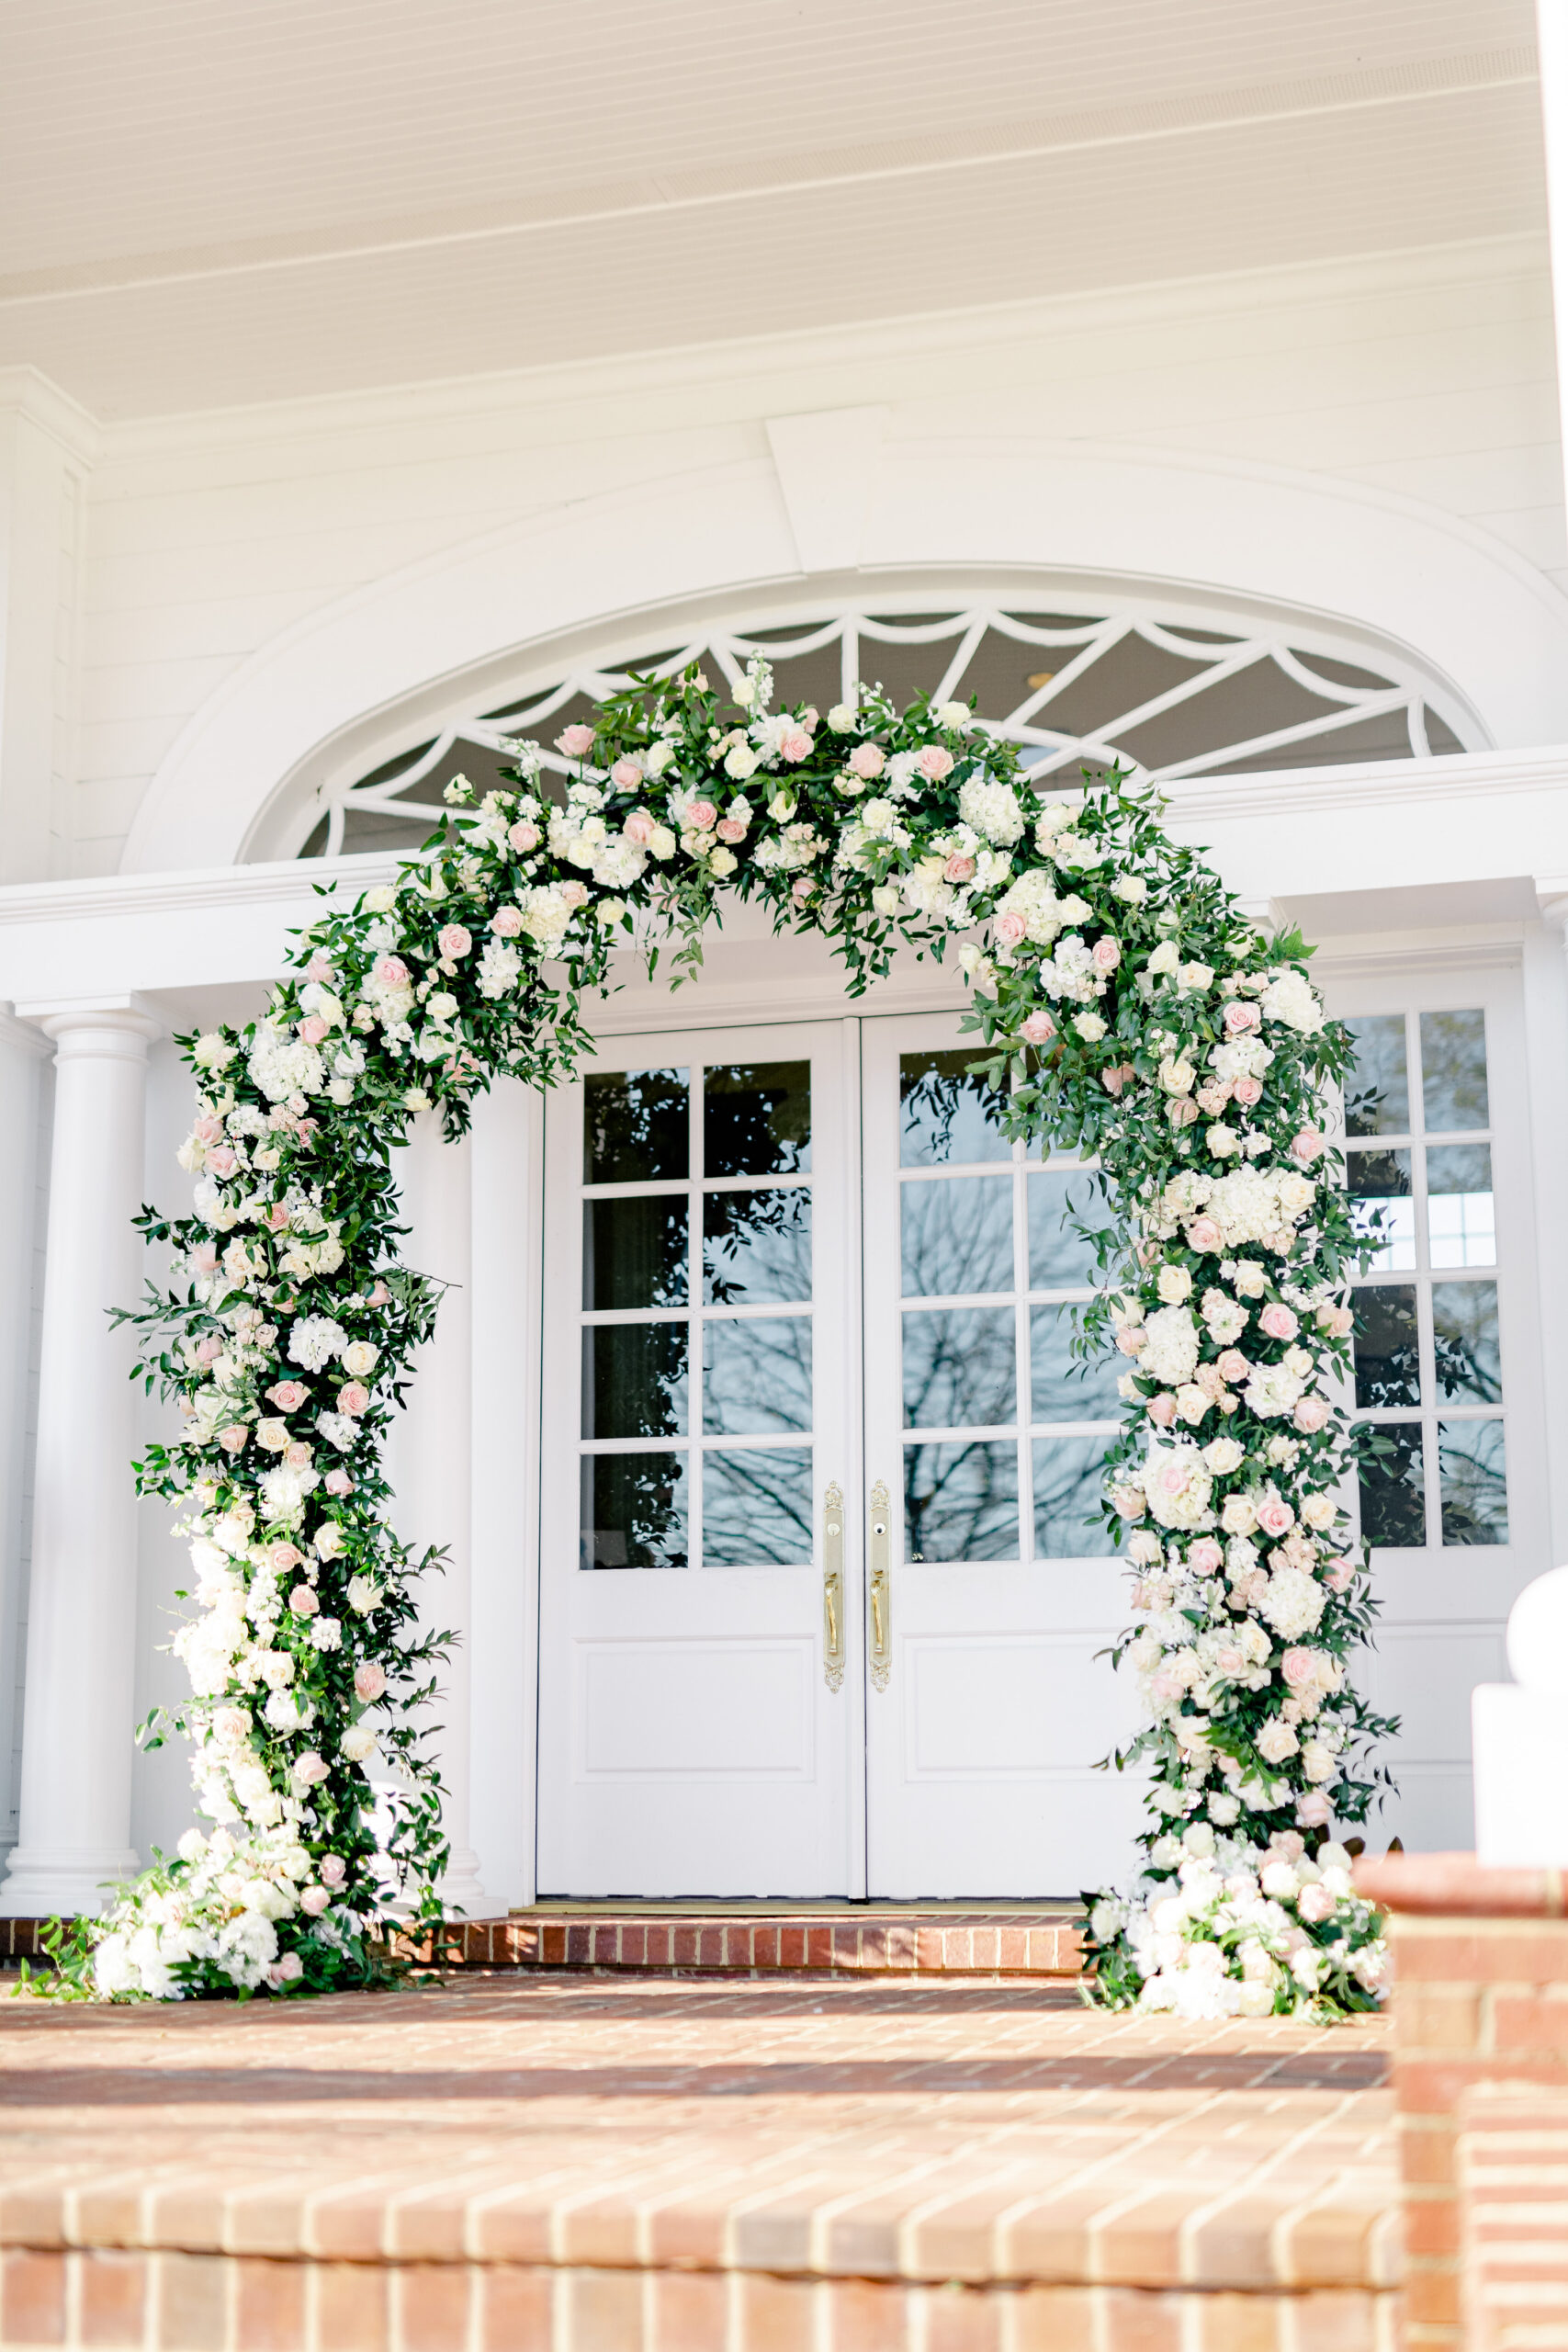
357	682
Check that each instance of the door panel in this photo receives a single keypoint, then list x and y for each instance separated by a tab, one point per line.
979	1418
699	1275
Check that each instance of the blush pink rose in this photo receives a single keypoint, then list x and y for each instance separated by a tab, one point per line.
867	760
1276	1518
319	967
572	894
1311	1415
1010	929
297	1456
233	1438
934	762
204	1259
800	890
1315	1812
207	1129
1038	1029
1231	1661
1279	1320
338	1482
795	746
222	1160
639	828
701	816
287	1395
1338	1322
312	1029
1299	1667
354	1398
731	829
1206	1558
282	1555
1203	1234
507	923
1166	1685
379	1296
277	1217
331	1870
1340	1574
1233	1365
454	941
1315	1904
1161	1409
1306	1146
1106	955
389	972
1112	1080
523	836
627	773
1212	1100
208	1348
958	869
1241	1017
369	1680
1183	1111
573	741
314	1901
1249	1091
303	1600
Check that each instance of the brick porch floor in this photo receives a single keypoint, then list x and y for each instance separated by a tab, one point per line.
598	2164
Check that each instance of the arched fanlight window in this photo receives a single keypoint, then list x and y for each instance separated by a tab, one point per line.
1083	687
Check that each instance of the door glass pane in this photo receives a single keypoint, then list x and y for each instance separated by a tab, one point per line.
1460	1224
1066	1387
1377	1093
757	1376
1474	1482
1069	1482
961	1502
757	1509
1464	1333
1381	1207
1453	1072
757	1247
957	1235
634	1252
1394	1505
1388	1361
634	1511
1058	1258
635	1126
757	1119
948	1116
633	1379
959	1368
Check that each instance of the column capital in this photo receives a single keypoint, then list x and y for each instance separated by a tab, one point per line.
125	1016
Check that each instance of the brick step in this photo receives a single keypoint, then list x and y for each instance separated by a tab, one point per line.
939	1940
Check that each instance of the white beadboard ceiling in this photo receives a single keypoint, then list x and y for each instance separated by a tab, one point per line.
204	202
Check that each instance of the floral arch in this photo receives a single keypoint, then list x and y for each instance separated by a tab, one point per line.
1135	1013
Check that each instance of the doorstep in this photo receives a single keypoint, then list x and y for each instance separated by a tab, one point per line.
940	1940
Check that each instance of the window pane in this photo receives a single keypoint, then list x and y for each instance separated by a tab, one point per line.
756	1247
1058	1258
1464	1332
1066	1387
957	1235
1460	1224
1453	1072
1069	1480
633	1379
961	1502
959	1368
1388	1362
757	1509
1394	1505
1377	1091
635	1126
634	1511
757	1119
1380	1205
634	1252
947	1115
758	1375
1474	1482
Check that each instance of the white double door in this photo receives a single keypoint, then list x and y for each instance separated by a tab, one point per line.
823	1579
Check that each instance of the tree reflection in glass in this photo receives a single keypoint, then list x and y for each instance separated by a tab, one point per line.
948	1114
961	1501
634	1511
757	1247
757	1509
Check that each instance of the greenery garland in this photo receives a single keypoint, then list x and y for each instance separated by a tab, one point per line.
1136	1014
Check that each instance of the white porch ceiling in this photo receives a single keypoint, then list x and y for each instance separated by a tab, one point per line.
203	205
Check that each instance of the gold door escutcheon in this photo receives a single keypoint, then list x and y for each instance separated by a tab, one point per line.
833	1588
881	1588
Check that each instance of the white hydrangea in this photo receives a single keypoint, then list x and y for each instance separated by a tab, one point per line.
1294	1602
314	1341
1170	1346
280	1065
992	809
500	969
1179	1485
1034	897
1290	997
1274	1389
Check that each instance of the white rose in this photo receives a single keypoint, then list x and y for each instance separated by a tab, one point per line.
722	862
1318	1762
1290	997
843	717
886	899
360	1357
1131	887
1319	1511
1224	1456
657	756
1276	1741
1089	1026
1174	1284
949	714
363	1595
741	760
381	899
358	1743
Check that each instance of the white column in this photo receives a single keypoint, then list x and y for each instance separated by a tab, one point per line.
430	1467
77	1730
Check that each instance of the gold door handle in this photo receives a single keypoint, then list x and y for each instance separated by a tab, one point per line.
881	1588
833	1588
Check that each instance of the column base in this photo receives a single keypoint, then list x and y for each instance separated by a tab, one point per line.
64	1883
462	1896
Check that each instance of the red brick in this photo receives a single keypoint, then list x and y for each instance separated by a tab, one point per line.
792	1947
113	2287
32	2296
269	2306
554	1937
515	2308
579	1944
348	2302
604	2310
633	1944
430	2306
690	2311
764	1947
820	1947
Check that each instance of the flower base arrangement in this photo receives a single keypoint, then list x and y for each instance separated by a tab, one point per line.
1136	1014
